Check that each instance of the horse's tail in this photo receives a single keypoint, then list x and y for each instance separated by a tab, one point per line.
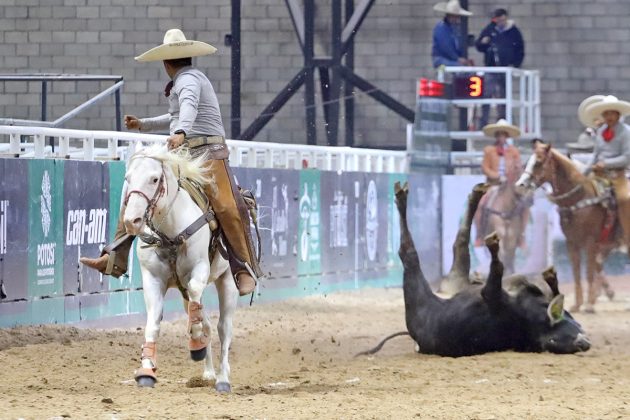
380	345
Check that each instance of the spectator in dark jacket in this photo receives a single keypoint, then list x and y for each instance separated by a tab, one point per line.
502	45
447	49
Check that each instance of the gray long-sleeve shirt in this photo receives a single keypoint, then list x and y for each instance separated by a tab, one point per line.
616	153
192	106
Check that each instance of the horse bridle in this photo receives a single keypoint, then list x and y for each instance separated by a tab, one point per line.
537	180
151	202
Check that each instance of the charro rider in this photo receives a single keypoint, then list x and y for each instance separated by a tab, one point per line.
194	121
611	156
501	163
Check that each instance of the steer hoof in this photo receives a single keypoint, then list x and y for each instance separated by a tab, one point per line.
589	309
146	381
223	387
199	355
401	195
492	242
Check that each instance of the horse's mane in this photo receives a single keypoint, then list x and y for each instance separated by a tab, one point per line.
180	161
572	169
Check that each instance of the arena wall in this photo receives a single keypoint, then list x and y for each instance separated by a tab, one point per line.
320	231
580	46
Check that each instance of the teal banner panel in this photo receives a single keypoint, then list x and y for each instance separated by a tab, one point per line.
46	233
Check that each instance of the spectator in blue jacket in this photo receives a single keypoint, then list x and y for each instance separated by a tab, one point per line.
502	44
447	49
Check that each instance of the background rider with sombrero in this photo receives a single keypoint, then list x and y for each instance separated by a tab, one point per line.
447	49
501	164
586	140
193	120
611	157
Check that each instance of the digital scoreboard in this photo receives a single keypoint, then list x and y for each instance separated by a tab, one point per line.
468	86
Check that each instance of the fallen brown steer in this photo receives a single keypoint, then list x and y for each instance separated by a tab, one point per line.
481	319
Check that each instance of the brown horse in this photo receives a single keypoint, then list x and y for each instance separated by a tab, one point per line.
503	212
584	215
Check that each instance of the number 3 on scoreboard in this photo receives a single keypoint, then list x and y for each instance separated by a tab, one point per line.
475	86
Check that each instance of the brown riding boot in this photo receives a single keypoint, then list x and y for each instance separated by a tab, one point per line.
115	256
233	216
245	283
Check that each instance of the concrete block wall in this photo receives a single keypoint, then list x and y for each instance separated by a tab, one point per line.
580	46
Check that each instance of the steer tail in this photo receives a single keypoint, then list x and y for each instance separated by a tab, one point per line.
380	345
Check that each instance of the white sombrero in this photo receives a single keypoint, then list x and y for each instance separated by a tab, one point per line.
501	125
585	103
608	103
451	7
176	46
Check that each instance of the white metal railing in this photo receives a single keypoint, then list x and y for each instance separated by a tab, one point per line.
522	96
34	142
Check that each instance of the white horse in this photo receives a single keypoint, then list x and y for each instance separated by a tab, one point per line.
173	252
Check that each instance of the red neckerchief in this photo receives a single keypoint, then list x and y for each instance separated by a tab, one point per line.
167	89
608	134
500	149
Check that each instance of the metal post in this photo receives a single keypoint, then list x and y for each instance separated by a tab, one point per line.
309	94
235	127
348	91
118	113
335	82
508	95
463	112
44	99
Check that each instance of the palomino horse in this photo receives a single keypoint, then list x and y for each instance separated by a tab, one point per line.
583	215
173	252
503	213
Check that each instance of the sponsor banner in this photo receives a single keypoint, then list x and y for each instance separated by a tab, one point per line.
309	225
14	225
46	227
424	213
340	221
374	217
276	191
85	224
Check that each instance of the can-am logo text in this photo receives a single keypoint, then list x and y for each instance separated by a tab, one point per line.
84	227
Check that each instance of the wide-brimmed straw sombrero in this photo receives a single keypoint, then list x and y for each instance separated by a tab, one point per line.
451	7
582	108
608	103
491	129
176	46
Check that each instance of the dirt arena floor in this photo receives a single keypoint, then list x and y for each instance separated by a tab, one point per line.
295	360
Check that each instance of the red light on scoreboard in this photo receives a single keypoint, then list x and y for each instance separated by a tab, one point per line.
468	87
431	88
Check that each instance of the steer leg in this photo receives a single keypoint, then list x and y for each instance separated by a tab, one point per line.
551	278
492	290
458	276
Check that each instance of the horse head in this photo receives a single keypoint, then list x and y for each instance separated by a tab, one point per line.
148	181
538	169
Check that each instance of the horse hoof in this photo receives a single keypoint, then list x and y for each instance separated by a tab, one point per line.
146	381
223	387
589	309
198	355
575	308
610	294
